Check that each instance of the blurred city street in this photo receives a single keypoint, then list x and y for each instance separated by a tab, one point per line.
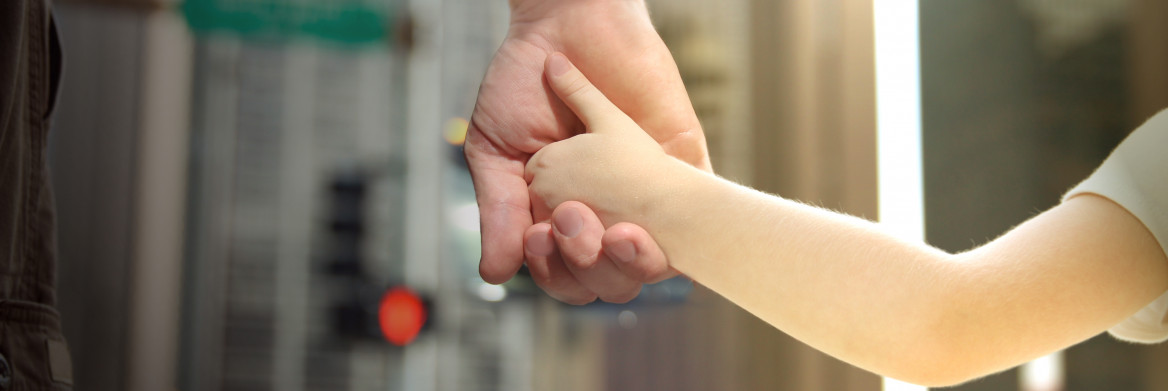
272	195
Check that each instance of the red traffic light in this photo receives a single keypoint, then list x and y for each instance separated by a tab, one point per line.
401	315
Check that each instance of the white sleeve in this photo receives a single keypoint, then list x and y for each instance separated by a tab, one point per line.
1135	176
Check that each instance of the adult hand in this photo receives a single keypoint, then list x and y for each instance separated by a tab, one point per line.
517	114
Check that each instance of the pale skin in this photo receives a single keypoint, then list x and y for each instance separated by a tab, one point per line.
843	285
517	114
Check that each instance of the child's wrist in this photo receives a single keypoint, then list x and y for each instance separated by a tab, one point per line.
665	194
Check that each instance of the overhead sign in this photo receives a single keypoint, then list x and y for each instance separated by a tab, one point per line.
348	21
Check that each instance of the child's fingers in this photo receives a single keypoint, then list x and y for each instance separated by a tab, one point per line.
548	269
593	108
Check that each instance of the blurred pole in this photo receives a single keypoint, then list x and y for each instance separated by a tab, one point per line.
161	189
296	156
424	237
898	116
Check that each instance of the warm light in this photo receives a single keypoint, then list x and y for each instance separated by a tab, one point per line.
401	315
491	292
455	132
898	126
1043	374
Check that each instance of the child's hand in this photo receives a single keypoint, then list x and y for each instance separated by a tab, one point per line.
615	168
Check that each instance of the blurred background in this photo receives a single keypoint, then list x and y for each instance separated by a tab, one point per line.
246	186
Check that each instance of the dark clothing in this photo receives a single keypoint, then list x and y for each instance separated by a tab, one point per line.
32	350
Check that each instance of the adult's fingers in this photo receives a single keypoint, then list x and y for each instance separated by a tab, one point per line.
634	251
504	206
578	234
593	108
548	269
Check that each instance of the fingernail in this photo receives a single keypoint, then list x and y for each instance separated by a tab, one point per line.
558	64
623	251
568	222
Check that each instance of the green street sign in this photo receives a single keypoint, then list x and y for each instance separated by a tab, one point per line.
346	21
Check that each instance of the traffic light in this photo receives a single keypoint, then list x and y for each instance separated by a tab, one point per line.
402	314
398	315
363	308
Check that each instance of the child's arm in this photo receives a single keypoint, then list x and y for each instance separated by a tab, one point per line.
843	285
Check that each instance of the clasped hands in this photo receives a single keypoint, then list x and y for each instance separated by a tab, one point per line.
614	169
574	253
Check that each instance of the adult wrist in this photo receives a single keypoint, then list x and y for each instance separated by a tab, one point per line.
534	10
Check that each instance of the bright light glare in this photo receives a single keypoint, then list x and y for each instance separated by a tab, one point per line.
1043	374
466	217
492	293
898	118
898	126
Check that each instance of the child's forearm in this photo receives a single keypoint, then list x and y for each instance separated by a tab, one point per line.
896	307
784	262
